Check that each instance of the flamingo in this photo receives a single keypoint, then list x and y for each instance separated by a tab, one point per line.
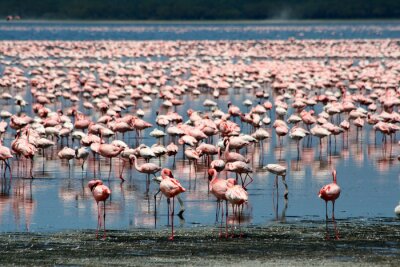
218	164
82	153
170	187
158	180
397	210
218	188
100	193
330	192
148	168
110	151
5	154
240	167
232	156
278	170
237	196
68	154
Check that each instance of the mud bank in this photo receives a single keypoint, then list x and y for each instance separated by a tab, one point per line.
294	244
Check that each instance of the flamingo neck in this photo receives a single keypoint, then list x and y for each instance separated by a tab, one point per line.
226	150
214	177
135	162
334	178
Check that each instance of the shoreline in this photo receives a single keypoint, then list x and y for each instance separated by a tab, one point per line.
291	244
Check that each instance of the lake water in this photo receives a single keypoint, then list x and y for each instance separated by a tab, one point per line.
33	30
368	172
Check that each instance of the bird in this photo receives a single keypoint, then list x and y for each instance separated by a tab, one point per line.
397	210
5	154
100	193
110	151
330	192
148	168
68	154
82	153
170	187
218	188
236	196
278	170
240	167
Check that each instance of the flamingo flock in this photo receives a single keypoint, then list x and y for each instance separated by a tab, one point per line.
137	114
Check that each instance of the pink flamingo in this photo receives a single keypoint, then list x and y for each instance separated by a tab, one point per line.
330	192
100	193
218	188
237	196
170	187
5	154
110	151
148	168
68	154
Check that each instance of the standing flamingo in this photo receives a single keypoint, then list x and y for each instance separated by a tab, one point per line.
100	193
278	170
237	196
171	187
218	188
5	154
148	168
330	192
68	154
397	210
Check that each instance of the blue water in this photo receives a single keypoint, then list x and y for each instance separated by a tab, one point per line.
28	30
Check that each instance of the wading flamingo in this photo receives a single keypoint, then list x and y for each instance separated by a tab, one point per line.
237	196
330	192
170	187
278	170
100	193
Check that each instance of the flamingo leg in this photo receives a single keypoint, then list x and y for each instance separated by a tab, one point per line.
217	211
233	223
172	219
222	218
109	172
169	203
226	219
326	210
182	204
286	186
9	168
240	210
251	180
31	171
104	220
98	221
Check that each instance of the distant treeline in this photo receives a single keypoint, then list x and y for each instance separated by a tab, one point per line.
200	9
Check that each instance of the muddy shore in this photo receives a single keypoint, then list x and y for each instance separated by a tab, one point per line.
290	244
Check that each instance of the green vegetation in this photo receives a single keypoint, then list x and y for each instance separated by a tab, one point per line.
200	9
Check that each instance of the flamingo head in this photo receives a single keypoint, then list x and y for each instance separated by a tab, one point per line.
231	181
93	183
167	172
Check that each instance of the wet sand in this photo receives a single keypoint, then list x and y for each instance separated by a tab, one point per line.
302	243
